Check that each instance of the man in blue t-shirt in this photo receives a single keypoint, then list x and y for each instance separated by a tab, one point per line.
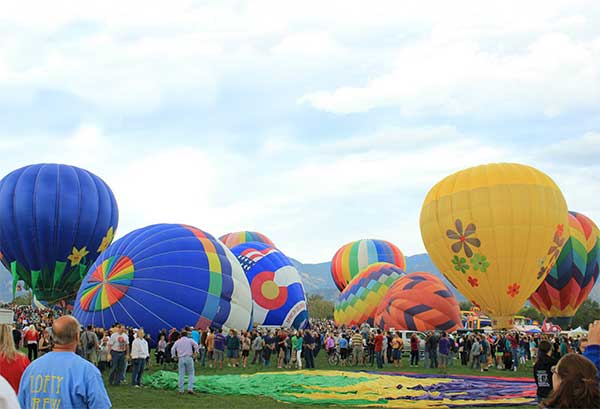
61	378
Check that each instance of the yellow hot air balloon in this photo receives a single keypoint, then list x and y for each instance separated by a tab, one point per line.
495	231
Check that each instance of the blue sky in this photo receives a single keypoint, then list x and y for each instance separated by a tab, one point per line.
316	124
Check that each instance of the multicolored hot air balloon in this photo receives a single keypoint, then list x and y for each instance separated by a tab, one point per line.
358	302
165	276
240	237
54	222
419	302
351	258
490	229
275	284
573	275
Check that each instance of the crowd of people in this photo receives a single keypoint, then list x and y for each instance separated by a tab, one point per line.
118	349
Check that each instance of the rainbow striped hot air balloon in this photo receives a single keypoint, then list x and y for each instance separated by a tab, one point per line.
419	302
165	276
353	257
359	300
240	237
573	275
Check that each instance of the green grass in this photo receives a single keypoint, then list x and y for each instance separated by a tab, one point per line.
125	396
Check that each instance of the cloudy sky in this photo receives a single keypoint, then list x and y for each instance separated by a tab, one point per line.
316	123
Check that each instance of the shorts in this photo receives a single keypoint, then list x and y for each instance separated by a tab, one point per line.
444	359
245	353
233	353
343	353
357	352
499	354
396	354
218	355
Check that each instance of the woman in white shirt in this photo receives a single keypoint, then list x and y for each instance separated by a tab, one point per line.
139	353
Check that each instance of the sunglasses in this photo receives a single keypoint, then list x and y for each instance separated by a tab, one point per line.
554	370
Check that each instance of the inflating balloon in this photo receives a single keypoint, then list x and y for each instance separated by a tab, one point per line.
358	302
573	275
419	302
491	229
240	237
353	257
165	276
275	284
54	222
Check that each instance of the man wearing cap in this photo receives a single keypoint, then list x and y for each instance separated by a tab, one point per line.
61	378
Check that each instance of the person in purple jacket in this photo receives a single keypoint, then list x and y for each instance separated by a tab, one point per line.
444	349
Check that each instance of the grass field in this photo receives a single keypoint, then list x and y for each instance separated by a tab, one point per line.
125	396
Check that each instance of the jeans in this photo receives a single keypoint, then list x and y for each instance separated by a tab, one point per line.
308	356
379	355
32	351
475	361
515	357
203	357
186	367
258	357
426	359
433	357
451	359
138	369
414	357
267	355
117	367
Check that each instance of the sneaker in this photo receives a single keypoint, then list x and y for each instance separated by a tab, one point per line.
136	386
190	392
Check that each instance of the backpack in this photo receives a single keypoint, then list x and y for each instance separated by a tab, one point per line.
90	344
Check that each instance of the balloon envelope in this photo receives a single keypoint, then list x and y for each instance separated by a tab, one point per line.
165	276
490	229
419	302
358	302
353	257
240	237
54	222
572	277
275	284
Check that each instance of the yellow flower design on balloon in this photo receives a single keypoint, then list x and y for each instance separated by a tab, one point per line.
110	234
77	255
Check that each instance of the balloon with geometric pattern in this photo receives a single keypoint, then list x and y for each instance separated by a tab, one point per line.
240	237
495	231
276	286
165	276
353	257
419	302
54	222
358	302
572	277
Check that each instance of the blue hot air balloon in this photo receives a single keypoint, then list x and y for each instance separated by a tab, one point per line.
276	286
54	222
165	276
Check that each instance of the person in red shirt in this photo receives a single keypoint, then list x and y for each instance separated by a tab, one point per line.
379	348
12	362
31	340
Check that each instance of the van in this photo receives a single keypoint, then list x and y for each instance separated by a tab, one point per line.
406	339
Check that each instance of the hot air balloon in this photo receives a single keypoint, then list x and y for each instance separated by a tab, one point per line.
489	229
240	237
573	275
351	258
165	276
419	302
54	222
276	286
359	300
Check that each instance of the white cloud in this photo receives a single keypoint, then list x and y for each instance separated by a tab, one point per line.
554	75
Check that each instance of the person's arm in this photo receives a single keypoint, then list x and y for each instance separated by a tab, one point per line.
592	349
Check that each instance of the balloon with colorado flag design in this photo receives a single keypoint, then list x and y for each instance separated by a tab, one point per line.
276	286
